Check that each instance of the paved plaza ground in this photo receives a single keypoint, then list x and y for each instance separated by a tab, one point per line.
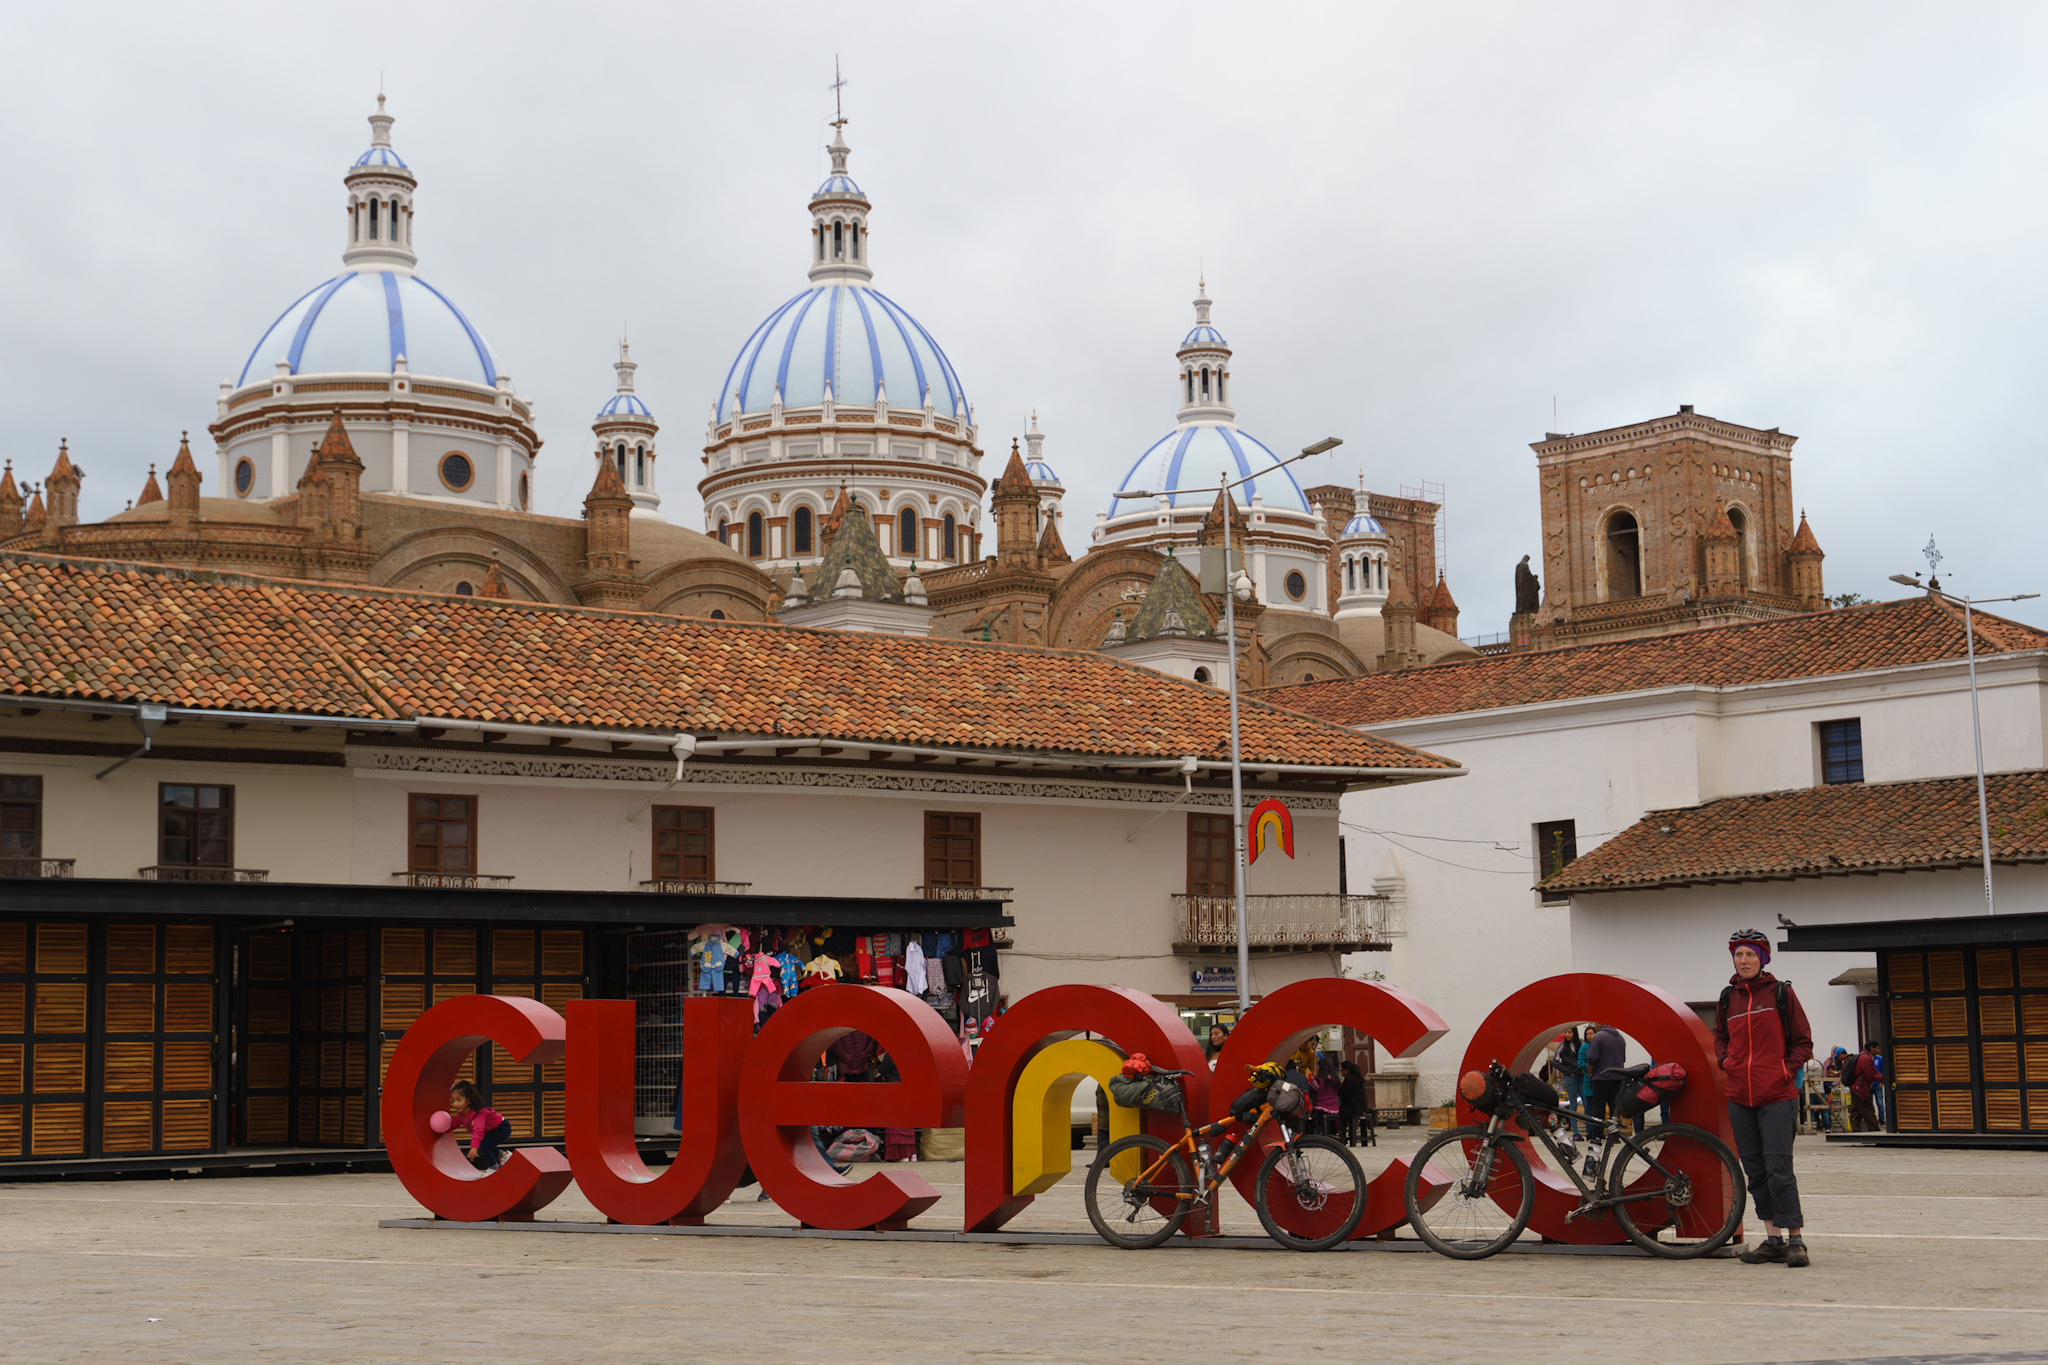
1916	1253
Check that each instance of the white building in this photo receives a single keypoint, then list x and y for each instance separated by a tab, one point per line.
1568	749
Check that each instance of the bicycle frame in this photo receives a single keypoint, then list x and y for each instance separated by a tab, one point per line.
1211	1178
1614	1133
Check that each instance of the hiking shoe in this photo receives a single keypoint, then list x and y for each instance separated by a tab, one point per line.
1795	1255
1767	1252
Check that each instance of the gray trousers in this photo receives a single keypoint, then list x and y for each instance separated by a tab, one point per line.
1763	1139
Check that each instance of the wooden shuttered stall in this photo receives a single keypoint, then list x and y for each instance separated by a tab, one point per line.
109	1039
422	966
1969	1038
306	1063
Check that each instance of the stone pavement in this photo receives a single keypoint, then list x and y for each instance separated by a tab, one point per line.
1916	1254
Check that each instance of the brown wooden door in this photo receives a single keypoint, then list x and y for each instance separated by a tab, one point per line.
952	849
1209	856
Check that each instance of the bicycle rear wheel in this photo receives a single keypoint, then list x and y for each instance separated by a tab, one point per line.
1311	1196
1699	1189
1482	1207
1133	1213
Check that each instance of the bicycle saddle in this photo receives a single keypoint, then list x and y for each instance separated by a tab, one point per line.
1625	1073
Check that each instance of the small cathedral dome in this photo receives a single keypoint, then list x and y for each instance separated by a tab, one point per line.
364	320
1202	335
1363	525
624	405
1040	472
1192	455
381	156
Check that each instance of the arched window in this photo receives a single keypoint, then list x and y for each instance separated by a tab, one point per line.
1383	573
373	220
1219	386
717	615
723	539
1191	386
906	533
821	241
1741	525
1624	556
838	241
753	535
800	531
1201	675
855	230
1350	575
1205	381
399	227
947	544
640	466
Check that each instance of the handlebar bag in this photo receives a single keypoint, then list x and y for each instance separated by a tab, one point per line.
1147	1092
1288	1099
1659	1085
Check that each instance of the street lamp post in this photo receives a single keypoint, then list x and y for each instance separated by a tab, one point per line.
1933	588
1232	587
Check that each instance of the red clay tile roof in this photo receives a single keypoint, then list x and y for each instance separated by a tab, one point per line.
123	633
1821	832
1880	635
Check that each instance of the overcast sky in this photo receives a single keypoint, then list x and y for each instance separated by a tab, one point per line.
1421	226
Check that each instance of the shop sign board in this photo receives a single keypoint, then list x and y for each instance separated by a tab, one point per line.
1215	979
748	1100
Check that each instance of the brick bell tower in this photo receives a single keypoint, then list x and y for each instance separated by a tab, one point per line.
1669	525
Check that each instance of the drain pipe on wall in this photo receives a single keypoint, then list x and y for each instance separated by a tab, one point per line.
682	747
149	718
1187	769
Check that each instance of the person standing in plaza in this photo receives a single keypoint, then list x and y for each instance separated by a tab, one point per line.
1571	1071
1605	1050
1862	1078
1762	1039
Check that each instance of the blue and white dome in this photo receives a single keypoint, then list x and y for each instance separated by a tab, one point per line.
1204	335
363	321
851	334
1363	525
1038	471
839	186
381	156
624	405
1192	455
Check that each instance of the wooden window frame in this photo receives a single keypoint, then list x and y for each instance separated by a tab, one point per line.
1837	734
1565	835
710	814
1203	825
950	816
36	805
162	809
412	844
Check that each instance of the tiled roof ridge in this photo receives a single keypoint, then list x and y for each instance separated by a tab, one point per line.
1592	649
360	678
1781	793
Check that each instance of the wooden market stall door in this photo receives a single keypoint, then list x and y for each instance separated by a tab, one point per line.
1969	1038
108	1039
421	967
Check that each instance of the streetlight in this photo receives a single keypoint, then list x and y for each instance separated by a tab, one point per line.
1933	589
1237	585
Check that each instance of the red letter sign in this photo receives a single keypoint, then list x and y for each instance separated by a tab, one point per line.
600	1111
431	1166
1276	1028
1132	1021
1523	1025
779	1103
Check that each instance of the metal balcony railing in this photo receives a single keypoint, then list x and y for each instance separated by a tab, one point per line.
455	881
1345	923
164	873
965	893
36	867
695	886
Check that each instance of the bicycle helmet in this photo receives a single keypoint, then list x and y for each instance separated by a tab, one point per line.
1264	1074
1137	1064
1755	939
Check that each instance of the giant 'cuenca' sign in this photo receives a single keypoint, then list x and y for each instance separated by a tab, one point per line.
748	1101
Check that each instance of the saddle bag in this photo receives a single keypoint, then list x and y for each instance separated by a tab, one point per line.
1289	1100
1147	1092
1659	1085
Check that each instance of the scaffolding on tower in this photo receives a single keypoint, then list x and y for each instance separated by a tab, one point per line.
1433	493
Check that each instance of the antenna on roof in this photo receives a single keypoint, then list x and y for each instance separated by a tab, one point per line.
838	84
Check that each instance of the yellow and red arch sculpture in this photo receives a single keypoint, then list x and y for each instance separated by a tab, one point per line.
1272	826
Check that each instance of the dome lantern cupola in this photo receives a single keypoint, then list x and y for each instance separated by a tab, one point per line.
625	429
1204	367
839	221
1363	551
380	190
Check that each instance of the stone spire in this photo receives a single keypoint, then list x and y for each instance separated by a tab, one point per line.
1398	612
1015	504
184	479
1172	605
1441	611
1722	550
63	488
609	569
151	490
10	502
1802	560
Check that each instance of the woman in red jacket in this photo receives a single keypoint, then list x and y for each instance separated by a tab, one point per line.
1762	1040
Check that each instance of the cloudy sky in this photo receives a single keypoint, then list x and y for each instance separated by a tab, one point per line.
1422	225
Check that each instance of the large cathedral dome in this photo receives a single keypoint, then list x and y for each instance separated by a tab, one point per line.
365	320
850	335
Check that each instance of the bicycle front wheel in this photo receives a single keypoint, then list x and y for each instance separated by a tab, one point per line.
1312	1194
1139	1192
1682	1189
1469	1205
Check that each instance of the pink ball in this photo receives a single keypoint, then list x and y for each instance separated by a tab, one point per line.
440	1122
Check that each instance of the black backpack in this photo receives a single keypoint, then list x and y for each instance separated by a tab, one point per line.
1783	991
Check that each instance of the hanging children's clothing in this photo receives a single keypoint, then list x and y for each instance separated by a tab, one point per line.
821	971
711	965
763	986
792	972
913	968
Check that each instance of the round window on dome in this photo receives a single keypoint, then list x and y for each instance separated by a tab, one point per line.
456	471
245	476
1296	585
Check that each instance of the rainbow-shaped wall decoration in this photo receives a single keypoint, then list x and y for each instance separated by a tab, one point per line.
1271	827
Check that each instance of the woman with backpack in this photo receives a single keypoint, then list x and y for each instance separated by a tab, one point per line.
1571	1071
1762	1039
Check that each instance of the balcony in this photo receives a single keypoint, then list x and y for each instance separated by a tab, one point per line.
695	886
36	867
965	893
454	881
164	873
1329	923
